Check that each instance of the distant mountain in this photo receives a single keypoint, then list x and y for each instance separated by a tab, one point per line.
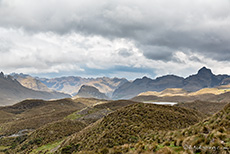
30	82
203	79
90	92
72	84
217	94
11	91
131	89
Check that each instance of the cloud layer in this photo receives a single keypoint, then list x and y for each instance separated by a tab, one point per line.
144	37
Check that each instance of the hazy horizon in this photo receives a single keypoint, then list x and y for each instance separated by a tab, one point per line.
130	79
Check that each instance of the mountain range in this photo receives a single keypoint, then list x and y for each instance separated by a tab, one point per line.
203	79
72	84
88	125
11	91
121	88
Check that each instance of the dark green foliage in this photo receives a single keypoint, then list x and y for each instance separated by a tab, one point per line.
104	151
69	149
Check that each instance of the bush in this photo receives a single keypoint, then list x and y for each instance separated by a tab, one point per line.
104	151
166	143
69	149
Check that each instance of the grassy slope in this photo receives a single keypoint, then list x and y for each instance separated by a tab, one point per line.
130	124
32	114
90	101
211	136
208	108
48	135
180	95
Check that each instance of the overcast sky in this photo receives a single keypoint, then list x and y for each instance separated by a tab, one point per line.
123	38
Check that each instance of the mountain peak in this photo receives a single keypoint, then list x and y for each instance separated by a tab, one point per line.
205	70
145	77
87	91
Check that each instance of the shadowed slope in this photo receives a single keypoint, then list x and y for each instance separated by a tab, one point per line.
31	114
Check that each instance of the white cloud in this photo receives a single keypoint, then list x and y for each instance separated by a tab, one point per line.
159	36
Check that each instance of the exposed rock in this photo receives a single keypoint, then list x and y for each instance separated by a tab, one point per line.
90	92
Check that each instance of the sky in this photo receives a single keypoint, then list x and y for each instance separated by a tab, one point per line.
115	38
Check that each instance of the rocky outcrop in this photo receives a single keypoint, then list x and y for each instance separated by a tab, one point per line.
90	92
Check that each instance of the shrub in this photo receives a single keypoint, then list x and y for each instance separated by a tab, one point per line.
104	151
166	143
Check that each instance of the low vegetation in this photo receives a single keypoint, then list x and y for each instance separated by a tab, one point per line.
114	127
49	133
209	108
129	125
32	114
211	136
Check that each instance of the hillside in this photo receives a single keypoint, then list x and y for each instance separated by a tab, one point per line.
54	132
206	107
180	95
30	82
203	79
32	114
91	114
89	101
209	136
90	92
129	125
11	91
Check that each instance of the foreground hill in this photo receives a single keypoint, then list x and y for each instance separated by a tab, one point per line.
53	133
203	79
11	91
129	125
209	136
90	92
31	114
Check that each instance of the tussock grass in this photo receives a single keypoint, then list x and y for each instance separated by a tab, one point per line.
130	124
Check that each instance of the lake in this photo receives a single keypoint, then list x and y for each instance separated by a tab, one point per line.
162	103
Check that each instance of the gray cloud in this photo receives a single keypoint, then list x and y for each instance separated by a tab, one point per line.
158	52
201	26
157	30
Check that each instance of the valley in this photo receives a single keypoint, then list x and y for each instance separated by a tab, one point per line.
173	120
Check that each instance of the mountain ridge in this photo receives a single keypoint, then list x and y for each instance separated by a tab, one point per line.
11	91
72	84
203	79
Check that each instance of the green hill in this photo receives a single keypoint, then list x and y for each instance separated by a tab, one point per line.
32	114
210	136
129	125
50	134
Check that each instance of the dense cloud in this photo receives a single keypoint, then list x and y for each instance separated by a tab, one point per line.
81	35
